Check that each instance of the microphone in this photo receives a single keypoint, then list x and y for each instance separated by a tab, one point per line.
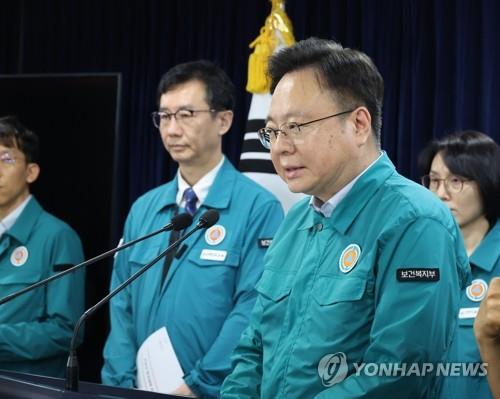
178	222
208	219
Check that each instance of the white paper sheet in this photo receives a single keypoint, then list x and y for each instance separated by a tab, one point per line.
158	369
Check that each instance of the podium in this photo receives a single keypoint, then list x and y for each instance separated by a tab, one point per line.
15	385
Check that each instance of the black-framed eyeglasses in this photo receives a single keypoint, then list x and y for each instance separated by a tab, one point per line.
182	116
268	135
453	184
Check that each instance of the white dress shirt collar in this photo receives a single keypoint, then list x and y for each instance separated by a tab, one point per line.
327	208
201	188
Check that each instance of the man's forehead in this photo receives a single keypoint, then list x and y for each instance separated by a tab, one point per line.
285	106
184	95
304	79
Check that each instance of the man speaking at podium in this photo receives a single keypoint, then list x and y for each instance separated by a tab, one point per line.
365	272
36	328
201	298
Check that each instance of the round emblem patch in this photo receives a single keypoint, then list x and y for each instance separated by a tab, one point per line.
19	256
349	258
476	291
215	234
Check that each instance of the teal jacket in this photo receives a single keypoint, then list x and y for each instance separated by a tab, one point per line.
204	303
485	264
377	282
36	328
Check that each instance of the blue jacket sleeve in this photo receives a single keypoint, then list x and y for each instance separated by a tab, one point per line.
206	377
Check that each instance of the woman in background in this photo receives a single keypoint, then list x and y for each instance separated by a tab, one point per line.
463	170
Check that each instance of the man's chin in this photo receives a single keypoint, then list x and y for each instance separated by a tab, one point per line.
295	187
180	156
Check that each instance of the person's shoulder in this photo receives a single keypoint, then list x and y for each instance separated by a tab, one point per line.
488	250
50	225
416	201
251	189
152	197
154	193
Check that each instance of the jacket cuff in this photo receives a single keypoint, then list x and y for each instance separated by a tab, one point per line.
200	389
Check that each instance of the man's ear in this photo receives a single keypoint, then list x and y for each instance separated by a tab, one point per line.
225	120
363	122
32	172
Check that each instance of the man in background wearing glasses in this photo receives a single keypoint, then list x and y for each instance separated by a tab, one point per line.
204	294
35	328
363	279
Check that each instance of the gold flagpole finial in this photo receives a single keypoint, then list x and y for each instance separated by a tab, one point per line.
276	32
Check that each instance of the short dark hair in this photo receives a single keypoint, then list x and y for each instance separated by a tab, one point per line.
14	134
350	74
219	87
473	155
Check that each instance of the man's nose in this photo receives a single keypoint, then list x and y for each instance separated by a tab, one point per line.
172	126
283	143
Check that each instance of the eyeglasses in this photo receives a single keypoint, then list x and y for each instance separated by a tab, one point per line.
453	184
268	135
182	116
7	158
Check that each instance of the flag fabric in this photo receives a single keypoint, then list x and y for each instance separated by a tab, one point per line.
255	160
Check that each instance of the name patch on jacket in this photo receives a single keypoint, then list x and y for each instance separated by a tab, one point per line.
264	242
213	254
415	274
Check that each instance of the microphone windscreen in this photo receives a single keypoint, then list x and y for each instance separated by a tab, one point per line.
181	221
209	218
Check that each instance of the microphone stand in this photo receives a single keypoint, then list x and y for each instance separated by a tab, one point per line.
72	367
